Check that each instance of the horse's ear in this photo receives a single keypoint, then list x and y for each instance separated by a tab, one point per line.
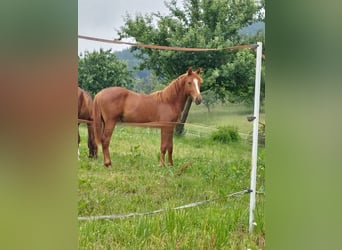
198	71
189	71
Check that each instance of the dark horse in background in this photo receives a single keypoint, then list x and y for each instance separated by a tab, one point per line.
85	106
160	109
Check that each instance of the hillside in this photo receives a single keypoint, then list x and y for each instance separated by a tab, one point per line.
253	29
132	61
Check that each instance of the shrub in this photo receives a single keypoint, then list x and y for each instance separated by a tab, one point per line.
226	134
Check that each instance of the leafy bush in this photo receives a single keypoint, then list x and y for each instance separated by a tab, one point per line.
226	134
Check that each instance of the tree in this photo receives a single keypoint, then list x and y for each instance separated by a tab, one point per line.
198	23
99	70
204	24
209	98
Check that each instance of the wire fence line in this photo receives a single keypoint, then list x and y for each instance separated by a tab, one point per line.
190	129
128	215
162	47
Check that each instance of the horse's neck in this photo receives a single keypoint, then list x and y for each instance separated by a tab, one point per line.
174	94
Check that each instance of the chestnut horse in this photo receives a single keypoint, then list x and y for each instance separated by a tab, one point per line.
160	109
85	104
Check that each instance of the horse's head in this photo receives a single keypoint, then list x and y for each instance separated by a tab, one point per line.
193	83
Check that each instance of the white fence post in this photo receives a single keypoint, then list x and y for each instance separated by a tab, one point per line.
255	136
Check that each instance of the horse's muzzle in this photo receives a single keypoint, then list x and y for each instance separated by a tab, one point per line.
198	100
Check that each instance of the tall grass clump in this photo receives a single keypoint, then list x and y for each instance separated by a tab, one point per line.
226	134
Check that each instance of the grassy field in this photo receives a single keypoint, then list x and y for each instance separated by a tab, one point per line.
203	170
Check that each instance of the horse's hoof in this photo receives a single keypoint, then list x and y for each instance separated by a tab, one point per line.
108	165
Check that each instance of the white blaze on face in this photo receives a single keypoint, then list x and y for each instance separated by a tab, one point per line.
196	86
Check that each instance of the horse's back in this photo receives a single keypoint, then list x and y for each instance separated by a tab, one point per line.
119	103
112	95
111	101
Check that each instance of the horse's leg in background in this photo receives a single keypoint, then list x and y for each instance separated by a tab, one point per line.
166	144
163	146
91	142
79	139
169	145
105	140
170	148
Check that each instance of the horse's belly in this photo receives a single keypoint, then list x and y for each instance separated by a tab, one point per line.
140	113
149	113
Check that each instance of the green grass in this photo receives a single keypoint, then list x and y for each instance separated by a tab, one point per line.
203	169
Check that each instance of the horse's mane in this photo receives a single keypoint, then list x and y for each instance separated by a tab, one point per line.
170	91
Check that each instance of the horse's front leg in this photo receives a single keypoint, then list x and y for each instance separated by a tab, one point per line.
169	151
170	146
162	155
166	145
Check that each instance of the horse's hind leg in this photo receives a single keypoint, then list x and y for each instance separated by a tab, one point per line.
91	142
105	141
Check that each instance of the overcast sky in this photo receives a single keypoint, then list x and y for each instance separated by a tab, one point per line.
101	18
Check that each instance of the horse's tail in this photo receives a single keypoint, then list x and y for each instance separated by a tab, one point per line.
97	120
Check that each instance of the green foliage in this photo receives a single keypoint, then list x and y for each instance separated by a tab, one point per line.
241	77
199	23
209	98
226	134
99	70
147	85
